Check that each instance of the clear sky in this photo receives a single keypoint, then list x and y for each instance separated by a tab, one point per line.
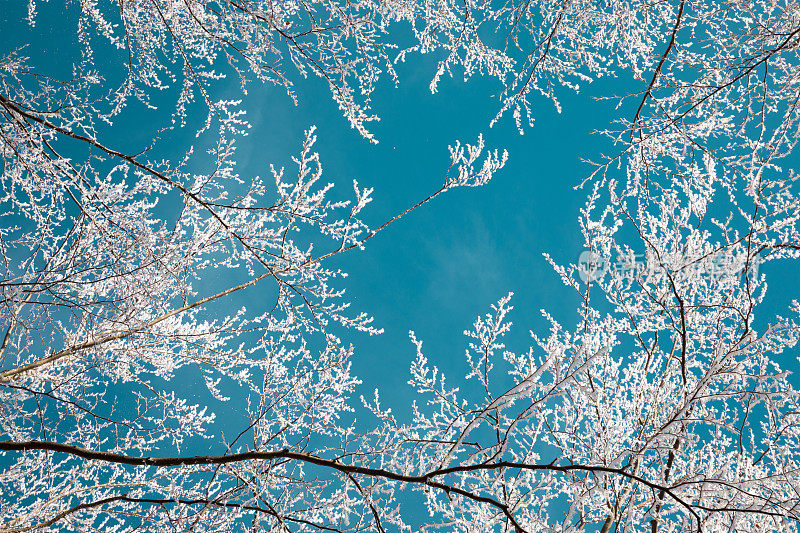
445	263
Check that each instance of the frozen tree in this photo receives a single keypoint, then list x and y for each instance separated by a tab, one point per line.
106	298
667	407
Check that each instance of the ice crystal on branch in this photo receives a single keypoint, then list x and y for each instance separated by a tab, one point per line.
668	406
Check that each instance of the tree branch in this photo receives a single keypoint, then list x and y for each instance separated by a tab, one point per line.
427	479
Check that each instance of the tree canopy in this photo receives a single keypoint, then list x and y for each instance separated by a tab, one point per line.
665	407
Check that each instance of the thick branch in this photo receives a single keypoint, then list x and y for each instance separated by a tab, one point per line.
427	479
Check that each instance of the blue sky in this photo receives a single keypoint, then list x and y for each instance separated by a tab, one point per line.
445	263
435	270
